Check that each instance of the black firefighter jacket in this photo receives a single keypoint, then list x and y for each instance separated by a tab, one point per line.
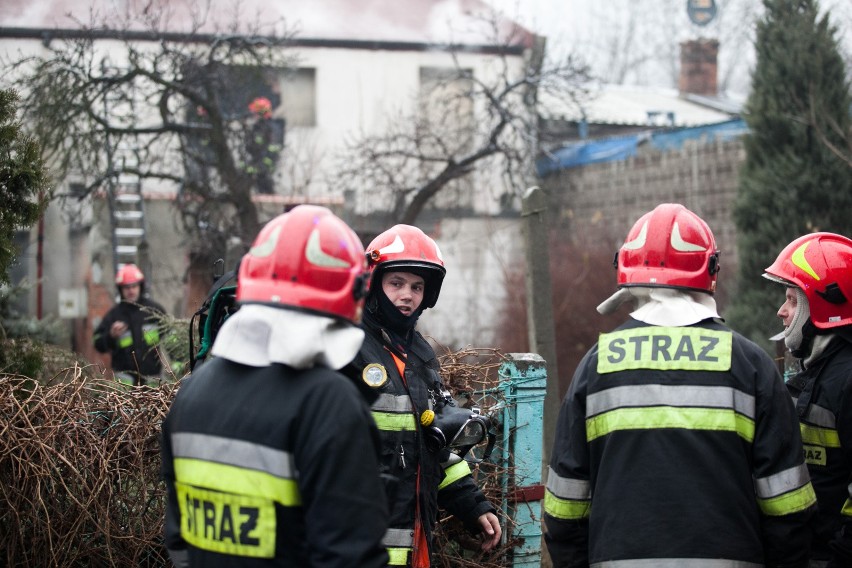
135	351
404	454
271	466
676	445
822	394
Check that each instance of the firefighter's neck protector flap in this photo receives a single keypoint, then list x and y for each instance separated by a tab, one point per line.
260	335
663	306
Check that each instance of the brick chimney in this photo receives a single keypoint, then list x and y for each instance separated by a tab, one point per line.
698	67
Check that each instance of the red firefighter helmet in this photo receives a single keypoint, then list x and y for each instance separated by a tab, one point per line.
307	258
669	247
404	248
821	265
129	274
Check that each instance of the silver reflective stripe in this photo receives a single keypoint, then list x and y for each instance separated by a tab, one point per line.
566	488
782	482
820	416
233	452
675	563
391	403
395	538
661	395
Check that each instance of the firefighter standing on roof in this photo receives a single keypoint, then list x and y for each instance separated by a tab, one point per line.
270	456
402	368
130	330
676	444
817	317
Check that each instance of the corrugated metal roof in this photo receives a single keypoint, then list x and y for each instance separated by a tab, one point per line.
639	106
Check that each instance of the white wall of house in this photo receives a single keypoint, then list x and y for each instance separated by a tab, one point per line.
357	91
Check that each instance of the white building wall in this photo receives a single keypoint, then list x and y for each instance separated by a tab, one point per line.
358	91
478	254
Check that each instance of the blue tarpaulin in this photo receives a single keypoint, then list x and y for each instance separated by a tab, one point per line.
586	152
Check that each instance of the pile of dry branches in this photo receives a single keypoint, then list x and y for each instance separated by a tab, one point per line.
471	375
79	470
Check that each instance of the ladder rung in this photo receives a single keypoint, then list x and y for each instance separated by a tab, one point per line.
129	215
128	197
126	249
129	232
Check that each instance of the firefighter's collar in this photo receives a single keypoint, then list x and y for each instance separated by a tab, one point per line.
259	335
663	306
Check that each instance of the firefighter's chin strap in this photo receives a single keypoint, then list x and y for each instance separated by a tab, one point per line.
663	306
259	335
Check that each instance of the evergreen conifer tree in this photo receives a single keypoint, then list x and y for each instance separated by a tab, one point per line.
791	183
23	180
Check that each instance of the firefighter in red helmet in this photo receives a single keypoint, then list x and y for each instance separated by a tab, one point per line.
676	444
401	367
269	454
816	270
130	331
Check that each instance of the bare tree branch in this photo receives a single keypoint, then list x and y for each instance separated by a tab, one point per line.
157	93
463	126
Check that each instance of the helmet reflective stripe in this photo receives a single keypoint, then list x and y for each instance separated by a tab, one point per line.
318	257
267	247
396	246
798	258
681	245
639	241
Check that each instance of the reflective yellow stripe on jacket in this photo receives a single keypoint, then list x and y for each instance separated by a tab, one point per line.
454	472
665	406
785	492
399	544
567	498
819	427
394	413
227	490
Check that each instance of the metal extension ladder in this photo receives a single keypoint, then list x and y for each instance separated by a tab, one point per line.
127	208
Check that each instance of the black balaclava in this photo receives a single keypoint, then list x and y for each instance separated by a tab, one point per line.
380	309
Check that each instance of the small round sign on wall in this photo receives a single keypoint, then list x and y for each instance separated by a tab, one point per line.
701	12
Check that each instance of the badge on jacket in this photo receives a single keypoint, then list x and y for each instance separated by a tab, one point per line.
375	375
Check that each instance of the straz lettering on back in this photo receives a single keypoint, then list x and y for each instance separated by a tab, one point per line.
665	348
